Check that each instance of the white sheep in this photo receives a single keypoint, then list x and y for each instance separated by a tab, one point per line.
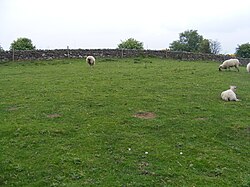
229	95
90	60
248	67
230	63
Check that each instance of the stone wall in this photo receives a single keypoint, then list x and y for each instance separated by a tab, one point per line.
109	53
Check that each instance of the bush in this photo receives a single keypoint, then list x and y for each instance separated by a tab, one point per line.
22	44
130	43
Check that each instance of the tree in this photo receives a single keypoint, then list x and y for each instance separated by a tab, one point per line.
22	44
130	43
243	50
188	41
215	47
178	46
204	46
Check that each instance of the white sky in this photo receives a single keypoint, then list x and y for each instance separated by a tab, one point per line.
54	24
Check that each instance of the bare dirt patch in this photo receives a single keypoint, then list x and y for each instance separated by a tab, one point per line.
201	119
145	115
53	115
13	108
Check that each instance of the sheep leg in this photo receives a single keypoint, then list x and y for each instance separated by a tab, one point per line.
235	100
237	68
90	62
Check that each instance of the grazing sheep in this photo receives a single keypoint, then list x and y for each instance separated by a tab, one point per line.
248	67
90	60
230	63
229	95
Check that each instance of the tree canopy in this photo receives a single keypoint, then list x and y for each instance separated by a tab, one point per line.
243	50
130	43
22	44
191	41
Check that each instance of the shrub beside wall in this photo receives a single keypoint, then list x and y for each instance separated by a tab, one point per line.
109	53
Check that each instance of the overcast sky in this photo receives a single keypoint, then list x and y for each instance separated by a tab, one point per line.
54	24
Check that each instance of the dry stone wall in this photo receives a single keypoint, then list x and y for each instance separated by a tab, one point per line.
109	53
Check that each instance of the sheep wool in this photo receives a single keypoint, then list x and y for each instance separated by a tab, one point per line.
248	67
229	95
90	60
230	63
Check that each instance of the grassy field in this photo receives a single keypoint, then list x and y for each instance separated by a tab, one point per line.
125	122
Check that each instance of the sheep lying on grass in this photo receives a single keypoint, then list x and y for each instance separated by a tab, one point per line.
248	67
230	63
229	95
90	60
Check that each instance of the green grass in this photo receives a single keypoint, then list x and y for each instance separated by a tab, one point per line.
66	124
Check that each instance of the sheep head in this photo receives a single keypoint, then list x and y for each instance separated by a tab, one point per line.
221	67
233	88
